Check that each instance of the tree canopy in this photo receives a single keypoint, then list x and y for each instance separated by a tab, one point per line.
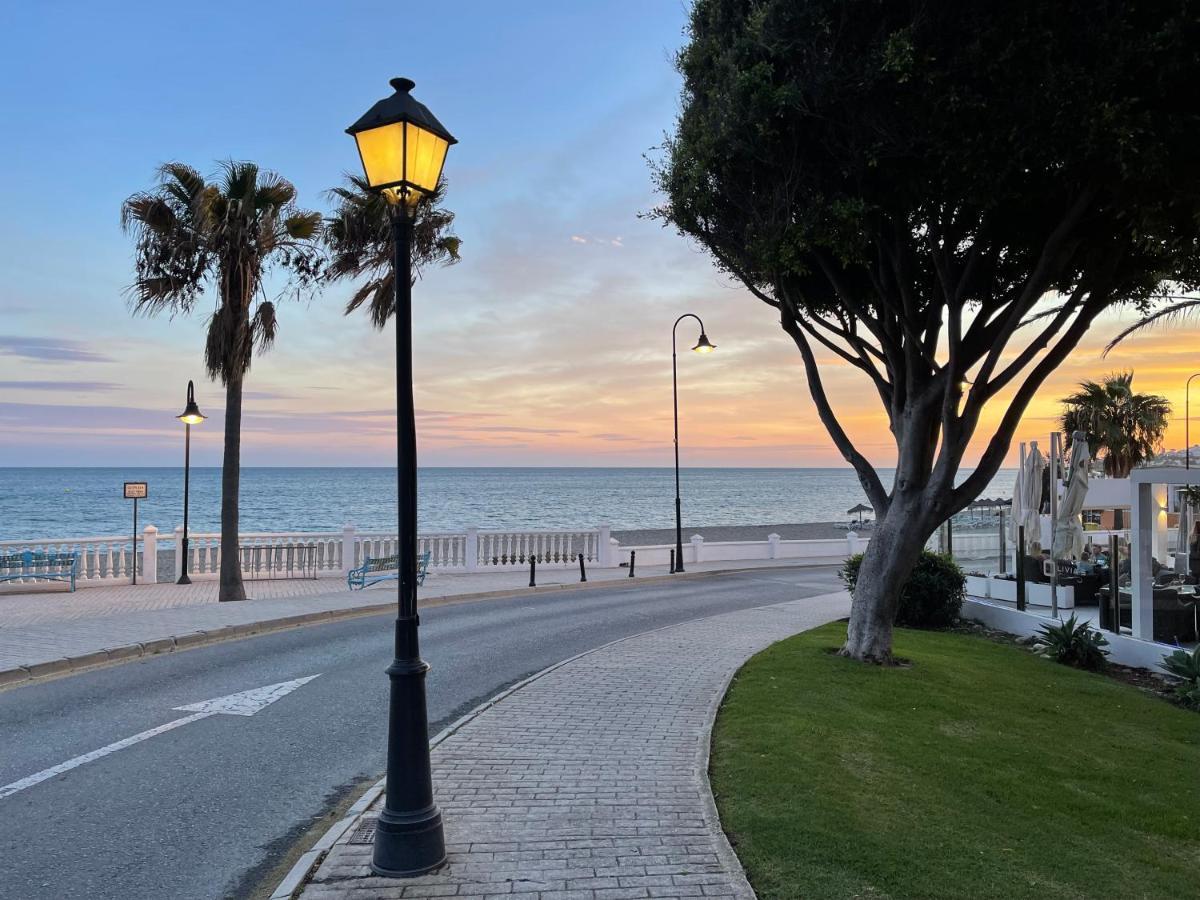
943	195
905	182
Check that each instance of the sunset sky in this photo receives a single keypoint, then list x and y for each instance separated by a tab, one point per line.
549	344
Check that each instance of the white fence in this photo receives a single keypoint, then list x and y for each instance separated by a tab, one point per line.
102	560
109	560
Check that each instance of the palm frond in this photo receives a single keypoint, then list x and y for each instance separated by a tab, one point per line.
1186	308
303	226
264	326
358	236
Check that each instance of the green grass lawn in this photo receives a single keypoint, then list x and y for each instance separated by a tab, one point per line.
982	771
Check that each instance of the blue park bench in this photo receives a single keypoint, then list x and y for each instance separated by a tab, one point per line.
31	564
381	568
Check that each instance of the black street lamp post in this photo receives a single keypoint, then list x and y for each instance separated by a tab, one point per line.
190	416
702	346
402	148
1187	422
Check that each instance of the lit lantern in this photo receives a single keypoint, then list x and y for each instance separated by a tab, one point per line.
401	145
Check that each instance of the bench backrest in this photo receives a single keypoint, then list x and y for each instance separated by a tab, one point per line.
387	563
28	559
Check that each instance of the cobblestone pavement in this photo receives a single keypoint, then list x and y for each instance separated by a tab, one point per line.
589	782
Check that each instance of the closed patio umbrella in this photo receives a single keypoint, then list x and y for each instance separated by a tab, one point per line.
1187	516
1031	496
1068	528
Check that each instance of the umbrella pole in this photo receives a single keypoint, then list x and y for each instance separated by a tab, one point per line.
1003	549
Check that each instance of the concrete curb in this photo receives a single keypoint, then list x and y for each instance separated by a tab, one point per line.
308	862
127	652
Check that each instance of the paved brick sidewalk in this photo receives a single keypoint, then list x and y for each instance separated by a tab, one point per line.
589	782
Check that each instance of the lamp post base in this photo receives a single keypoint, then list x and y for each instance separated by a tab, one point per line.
408	845
409	839
183	579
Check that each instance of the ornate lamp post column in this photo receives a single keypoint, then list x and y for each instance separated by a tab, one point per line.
402	148
190	416
702	346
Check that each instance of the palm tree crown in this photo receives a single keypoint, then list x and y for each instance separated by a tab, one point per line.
226	234
359	238
1129	427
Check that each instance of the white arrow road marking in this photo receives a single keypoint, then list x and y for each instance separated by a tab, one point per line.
245	703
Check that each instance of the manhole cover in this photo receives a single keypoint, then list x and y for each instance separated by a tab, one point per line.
364	831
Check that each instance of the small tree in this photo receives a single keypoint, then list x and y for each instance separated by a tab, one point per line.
943	196
225	235
1128	427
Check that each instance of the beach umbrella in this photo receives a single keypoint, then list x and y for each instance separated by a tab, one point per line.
860	509
1068	528
1029	503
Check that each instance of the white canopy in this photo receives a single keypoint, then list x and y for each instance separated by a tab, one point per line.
1068	529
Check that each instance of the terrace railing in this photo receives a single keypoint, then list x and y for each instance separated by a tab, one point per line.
102	560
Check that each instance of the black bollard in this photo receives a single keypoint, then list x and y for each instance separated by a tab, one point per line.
672	562
632	560
582	570
533	571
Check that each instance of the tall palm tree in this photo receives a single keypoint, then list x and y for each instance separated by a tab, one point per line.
1128	427
359	237
223	235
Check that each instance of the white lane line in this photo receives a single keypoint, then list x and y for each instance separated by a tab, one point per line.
243	703
9	789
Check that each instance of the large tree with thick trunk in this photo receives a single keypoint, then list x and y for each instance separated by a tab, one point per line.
943	195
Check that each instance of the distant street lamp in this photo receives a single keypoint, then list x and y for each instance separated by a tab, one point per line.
702	346
1187	422
190	416
402	148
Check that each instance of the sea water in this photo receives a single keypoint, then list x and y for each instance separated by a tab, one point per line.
87	502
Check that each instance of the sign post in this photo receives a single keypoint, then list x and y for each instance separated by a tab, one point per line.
135	491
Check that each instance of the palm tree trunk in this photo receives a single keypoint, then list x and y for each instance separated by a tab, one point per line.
231	476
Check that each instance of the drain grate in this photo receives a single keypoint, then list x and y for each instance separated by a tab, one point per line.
364	831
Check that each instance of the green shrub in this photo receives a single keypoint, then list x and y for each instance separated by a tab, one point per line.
931	598
1073	643
1186	667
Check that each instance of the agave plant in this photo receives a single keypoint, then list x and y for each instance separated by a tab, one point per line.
1186	667
224	235
1073	643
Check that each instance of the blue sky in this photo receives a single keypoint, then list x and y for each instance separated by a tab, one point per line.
547	345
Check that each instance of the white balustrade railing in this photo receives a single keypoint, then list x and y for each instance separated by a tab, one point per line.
102	560
258	553
109	560
516	548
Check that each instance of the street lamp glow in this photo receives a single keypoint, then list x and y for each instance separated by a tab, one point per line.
191	414
401	145
703	345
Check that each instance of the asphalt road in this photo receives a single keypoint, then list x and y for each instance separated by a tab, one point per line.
211	808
